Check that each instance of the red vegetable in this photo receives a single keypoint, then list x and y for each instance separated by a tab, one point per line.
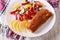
21	18
14	12
35	6
21	15
16	17
25	3
31	11
27	16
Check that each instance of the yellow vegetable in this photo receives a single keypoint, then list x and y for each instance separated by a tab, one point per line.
23	25
18	26
17	6
11	24
14	25
25	22
28	5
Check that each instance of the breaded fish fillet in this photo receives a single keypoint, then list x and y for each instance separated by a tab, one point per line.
41	17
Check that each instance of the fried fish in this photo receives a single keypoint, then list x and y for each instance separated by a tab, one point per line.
40	18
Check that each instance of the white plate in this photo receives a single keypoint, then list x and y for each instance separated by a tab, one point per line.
42	30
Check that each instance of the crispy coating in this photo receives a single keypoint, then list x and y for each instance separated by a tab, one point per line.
40	18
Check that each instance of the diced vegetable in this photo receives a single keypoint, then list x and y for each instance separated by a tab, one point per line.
21	15
17	6
25	3
21	18
12	12
26	0
38	3
13	24
15	12
17	25
22	11
28	5
25	22
27	16
31	11
16	17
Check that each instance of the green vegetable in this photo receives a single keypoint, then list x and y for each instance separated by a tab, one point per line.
25	9
26	0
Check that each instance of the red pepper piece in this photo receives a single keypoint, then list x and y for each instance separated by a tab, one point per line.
21	15
21	18
25	3
16	17
17	11
14	12
31	11
35	5
27	16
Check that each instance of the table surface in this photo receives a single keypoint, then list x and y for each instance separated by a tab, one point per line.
54	33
